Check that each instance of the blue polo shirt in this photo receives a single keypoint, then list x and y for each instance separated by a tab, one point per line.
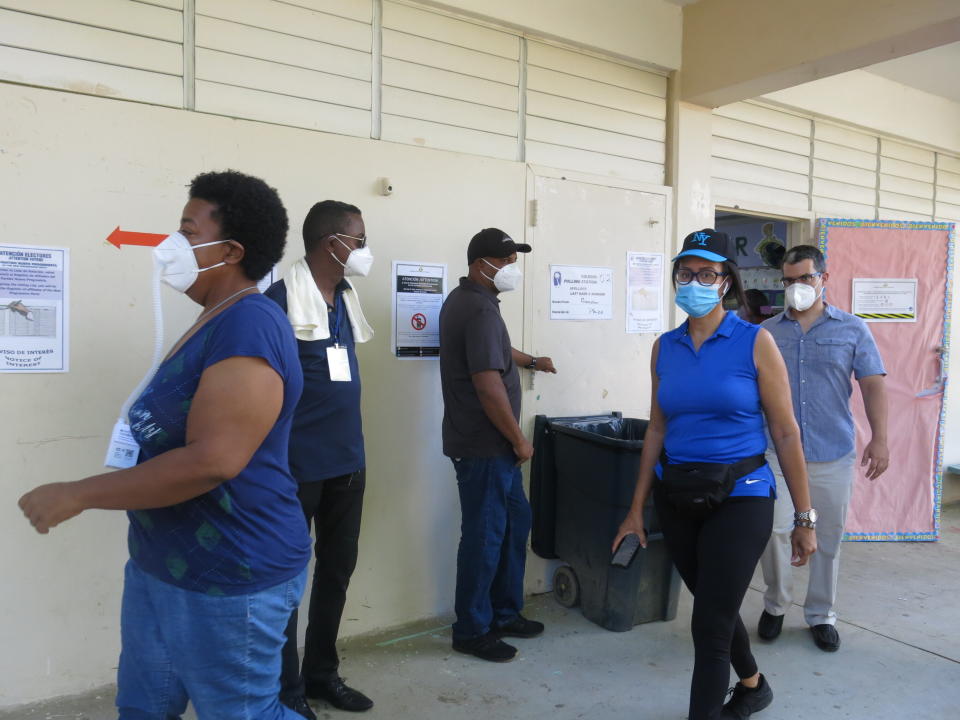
711	401
820	363
326	440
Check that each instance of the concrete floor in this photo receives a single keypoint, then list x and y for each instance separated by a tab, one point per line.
900	627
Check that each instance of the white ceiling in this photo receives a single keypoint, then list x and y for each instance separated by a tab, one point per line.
935	71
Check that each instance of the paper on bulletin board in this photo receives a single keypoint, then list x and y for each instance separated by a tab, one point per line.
578	292
885	300
644	292
34	312
418	293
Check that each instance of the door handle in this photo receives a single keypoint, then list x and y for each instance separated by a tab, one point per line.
941	380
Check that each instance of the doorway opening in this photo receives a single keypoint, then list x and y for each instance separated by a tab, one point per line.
761	242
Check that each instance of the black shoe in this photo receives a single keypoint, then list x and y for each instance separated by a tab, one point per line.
769	626
487	647
337	693
519	627
826	637
746	701
299	705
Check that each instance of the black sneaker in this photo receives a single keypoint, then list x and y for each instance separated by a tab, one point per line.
519	627
769	626
299	705
826	637
746	701
336	692
486	647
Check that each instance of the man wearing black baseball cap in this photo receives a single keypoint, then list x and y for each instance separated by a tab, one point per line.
481	435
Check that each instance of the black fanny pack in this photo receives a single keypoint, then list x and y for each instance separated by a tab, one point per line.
701	487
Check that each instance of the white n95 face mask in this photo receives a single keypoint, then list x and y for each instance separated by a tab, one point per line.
800	296
358	262
506	278
178	263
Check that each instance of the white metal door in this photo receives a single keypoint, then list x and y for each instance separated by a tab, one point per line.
601	368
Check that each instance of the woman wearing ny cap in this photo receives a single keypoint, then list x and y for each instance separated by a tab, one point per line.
715	379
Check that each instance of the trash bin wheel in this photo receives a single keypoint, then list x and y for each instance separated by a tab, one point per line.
566	587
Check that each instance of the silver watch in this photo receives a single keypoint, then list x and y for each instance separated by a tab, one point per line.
807	519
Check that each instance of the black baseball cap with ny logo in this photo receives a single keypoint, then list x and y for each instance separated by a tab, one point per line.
710	245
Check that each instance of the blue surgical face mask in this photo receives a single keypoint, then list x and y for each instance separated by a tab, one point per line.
697	300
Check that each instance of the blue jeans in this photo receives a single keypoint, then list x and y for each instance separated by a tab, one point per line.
493	544
221	653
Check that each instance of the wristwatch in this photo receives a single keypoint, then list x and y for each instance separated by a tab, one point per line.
805	519
532	365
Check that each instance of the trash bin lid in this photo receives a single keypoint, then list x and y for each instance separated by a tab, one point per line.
608	430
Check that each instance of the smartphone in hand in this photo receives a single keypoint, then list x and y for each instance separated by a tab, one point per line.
626	551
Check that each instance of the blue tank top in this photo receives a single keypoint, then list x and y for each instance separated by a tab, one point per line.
711	401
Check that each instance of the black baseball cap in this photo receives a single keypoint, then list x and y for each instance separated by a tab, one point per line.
710	245
494	243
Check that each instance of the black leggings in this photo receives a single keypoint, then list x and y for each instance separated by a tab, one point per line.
716	557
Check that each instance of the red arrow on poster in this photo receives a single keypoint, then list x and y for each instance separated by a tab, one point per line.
125	237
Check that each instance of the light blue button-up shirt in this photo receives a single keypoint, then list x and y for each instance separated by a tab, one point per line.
820	363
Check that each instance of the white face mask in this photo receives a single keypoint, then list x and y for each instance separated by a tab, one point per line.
800	296
358	262
178	264
506	278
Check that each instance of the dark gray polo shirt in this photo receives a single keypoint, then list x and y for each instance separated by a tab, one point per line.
473	338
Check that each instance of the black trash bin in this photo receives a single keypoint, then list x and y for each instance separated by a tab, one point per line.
582	481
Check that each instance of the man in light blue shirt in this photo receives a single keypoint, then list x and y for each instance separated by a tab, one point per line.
822	347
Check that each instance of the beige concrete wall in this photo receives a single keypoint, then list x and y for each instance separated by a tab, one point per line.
870	101
74	167
738	49
646	31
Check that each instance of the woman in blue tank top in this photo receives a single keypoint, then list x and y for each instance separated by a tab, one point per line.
715	379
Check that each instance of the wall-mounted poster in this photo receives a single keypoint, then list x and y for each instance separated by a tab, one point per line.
418	293
644	292
34	314
878	300
578	292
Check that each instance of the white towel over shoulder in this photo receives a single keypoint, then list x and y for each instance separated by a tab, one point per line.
307	310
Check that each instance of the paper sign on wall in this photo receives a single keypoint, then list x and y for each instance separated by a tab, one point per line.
644	292
34	317
581	293
418	293
885	300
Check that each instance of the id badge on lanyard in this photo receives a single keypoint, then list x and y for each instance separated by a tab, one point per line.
123	450
339	363
337	359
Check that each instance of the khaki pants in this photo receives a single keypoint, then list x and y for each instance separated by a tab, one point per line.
830	486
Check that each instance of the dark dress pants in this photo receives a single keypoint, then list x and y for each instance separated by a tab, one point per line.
334	507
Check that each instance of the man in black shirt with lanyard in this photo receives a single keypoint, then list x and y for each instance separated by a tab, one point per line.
482	436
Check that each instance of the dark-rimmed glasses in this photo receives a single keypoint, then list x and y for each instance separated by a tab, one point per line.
806	279
706	276
361	241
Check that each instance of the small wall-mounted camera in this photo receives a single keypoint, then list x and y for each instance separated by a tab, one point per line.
386	187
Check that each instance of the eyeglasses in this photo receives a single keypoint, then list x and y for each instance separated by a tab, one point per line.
361	241
707	277
806	279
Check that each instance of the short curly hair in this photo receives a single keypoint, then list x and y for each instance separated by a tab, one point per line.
250	212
